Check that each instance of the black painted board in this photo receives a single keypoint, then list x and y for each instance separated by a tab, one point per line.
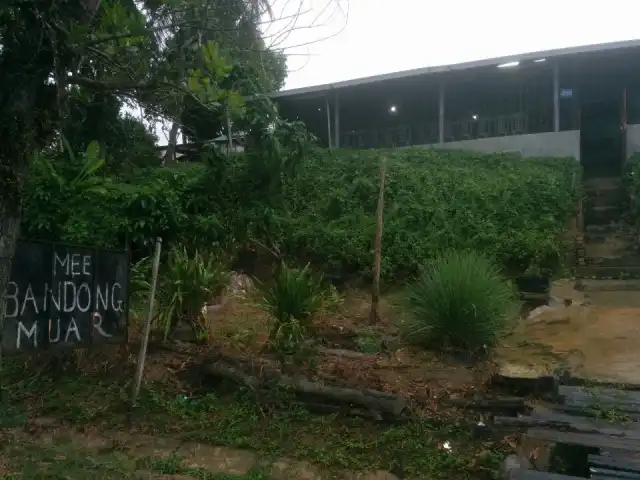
27	314
585	439
63	296
71	298
112	269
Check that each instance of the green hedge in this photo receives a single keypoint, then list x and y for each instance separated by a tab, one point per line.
632	197
632	184
514	210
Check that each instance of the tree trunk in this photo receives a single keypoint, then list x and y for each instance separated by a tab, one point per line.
229	135
170	154
9	229
19	142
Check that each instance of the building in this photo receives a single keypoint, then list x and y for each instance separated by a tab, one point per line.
581	101
190	151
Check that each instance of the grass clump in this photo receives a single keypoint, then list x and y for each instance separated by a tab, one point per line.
460	301
291	300
187	283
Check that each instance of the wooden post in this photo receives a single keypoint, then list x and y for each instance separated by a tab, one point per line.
556	98
375	296
229	135
327	109
147	331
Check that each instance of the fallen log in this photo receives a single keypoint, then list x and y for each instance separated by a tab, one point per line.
339	352
487	403
373	400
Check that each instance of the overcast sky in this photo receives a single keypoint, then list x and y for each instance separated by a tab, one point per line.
383	36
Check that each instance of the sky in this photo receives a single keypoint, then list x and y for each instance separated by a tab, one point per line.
335	40
383	36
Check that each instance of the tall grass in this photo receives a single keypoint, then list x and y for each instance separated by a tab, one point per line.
187	282
460	301
291	300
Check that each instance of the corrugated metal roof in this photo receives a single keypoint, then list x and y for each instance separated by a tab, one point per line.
559	52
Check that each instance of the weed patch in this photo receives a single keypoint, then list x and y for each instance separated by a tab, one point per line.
331	442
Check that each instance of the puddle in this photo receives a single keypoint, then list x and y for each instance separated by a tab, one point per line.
597	341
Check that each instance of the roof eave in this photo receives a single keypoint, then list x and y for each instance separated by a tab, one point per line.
555	53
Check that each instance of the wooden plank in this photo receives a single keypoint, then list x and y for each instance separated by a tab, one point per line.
587	411
585	403
605	398
534	475
596	476
615	463
602	392
606	473
585	439
567	423
629	425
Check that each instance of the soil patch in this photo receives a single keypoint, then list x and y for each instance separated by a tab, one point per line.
596	341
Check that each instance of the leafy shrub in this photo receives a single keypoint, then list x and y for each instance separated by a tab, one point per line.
186	282
513	210
139	285
632	184
460	301
291	299
323	209
369	343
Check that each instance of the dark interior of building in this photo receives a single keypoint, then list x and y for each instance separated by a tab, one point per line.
598	94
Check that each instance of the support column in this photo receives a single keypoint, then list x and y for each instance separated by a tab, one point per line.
441	114
327	109
556	98
336	121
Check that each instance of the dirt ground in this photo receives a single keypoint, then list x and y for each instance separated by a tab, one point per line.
385	363
212	437
126	455
595	338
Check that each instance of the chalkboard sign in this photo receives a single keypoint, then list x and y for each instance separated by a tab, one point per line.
65	296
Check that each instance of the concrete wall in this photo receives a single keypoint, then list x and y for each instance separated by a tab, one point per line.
550	144
633	139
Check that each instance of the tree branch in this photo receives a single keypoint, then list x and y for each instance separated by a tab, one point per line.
103	86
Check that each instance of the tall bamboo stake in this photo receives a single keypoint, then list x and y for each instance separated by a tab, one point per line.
142	354
375	296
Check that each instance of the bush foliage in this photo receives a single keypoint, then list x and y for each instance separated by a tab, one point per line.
514	210
632	183
461	301
319	207
291	299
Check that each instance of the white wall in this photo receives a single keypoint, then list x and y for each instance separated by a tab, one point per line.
633	139
549	144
